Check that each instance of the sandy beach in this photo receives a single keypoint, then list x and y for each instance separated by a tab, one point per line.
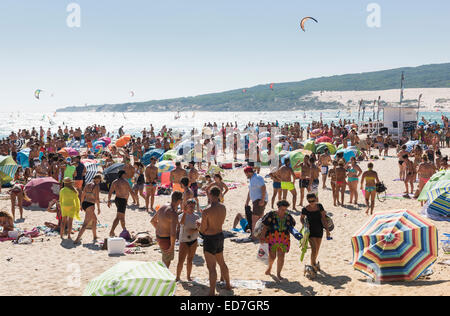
53	267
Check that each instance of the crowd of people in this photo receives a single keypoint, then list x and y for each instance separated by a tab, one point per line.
182	219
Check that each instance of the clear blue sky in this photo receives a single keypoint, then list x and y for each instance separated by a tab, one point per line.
172	48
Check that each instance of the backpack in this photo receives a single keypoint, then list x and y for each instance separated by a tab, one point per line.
330	223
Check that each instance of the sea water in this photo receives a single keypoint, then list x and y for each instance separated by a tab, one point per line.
133	122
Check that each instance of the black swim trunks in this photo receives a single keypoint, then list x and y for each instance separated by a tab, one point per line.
304	183
121	205
213	244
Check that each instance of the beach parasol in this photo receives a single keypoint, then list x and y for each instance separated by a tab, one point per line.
395	246
133	278
23	157
91	169
165	166
439	200
310	145
184	147
98	146
320	149
42	191
157	153
439	176
106	140
323	139
263	135
123	141
316	133
348	153
8	169
68	152
169	155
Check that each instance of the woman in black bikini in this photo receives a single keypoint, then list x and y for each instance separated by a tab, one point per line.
317	221
89	198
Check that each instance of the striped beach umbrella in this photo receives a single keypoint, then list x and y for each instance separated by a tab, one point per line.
438	176
395	246
165	166
133	278
8	169
91	169
439	199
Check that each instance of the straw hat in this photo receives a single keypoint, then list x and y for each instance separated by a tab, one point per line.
68	181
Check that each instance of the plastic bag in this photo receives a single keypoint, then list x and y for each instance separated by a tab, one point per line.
263	253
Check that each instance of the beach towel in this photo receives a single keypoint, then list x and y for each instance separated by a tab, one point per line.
257	285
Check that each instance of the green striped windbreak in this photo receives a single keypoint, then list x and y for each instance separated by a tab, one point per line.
133	278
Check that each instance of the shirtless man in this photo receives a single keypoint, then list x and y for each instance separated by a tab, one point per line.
123	190
287	178
165	222
324	164
187	193
42	169
176	176
402	165
380	143
426	170
193	178
305	177
129	174
211	231
151	177
315	174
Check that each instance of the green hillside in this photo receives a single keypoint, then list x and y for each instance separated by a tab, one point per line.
289	96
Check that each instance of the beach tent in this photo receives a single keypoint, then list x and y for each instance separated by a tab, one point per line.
395	246
320	149
439	176
91	169
8	169
438	204
411	144
111	173
23	158
157	153
133	278
123	141
41	191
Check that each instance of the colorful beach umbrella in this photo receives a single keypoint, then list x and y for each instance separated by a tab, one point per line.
42	191
348	153
320	149
316	133
23	158
165	166
438	176
98	146
8	169
439	199
169	155
310	145
123	141
395	246
157	153
133	278
106	140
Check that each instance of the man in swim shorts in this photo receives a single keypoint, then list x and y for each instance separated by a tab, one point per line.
176	175
324	164
122	190
193	177
165	222
151	184
287	178
211	231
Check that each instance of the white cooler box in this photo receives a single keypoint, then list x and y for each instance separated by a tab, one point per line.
116	246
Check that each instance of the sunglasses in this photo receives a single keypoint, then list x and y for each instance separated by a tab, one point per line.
311	201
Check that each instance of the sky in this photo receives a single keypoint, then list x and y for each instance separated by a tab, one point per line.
173	48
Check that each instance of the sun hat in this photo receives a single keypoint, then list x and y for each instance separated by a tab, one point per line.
68	181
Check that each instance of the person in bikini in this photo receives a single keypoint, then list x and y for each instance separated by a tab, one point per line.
370	178
353	173
165	222
193	176
151	184
211	231
341	175
401	163
122	189
411	175
218	182
90	197
425	171
305	177
187	193
277	191
332	176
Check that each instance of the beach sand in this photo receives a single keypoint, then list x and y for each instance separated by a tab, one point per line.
52	267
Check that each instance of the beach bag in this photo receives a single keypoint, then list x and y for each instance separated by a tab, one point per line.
263	253
380	187
330	223
125	234
259	227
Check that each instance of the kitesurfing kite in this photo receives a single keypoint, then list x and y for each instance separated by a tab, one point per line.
302	23
132	93
37	94
271	86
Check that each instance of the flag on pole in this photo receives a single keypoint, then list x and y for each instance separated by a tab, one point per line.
402	88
